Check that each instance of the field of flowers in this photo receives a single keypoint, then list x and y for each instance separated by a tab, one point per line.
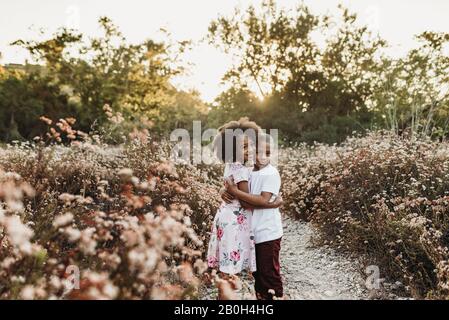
382	196
132	224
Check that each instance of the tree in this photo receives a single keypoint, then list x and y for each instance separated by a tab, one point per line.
305	88
24	97
414	95
185	108
270	46
351	63
233	104
132	79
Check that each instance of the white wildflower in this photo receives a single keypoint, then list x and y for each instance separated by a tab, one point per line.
125	173
87	244
19	234
72	234
63	220
28	292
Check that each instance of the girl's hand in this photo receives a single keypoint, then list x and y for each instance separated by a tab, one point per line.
230	186
226	196
278	201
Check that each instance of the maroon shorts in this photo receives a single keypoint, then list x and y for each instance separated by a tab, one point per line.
268	274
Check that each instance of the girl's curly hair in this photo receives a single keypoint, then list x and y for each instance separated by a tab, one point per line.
230	132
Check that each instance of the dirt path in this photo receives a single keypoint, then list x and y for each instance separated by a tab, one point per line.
316	272
310	272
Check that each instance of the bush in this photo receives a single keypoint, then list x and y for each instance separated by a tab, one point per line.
382	196
133	223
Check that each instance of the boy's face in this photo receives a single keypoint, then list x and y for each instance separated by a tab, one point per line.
263	154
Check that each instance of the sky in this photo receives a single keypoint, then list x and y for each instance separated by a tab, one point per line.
397	21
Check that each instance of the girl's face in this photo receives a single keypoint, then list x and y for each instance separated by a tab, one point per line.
246	149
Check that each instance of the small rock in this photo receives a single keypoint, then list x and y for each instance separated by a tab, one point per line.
329	293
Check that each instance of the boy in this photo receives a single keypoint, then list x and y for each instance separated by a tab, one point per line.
264	185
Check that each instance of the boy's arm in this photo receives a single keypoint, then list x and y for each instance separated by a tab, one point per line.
228	198
248	200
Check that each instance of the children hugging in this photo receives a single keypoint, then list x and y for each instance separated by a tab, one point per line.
247	229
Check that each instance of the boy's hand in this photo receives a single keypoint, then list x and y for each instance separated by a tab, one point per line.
230	186
226	196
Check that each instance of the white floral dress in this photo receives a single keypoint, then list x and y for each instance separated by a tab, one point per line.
231	246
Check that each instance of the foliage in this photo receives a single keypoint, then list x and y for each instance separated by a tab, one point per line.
310	93
77	77
381	196
414	95
24	97
314	77
132	222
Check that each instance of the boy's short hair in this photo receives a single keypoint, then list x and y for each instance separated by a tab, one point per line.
229	133
264	138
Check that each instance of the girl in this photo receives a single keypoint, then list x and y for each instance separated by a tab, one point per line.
231	248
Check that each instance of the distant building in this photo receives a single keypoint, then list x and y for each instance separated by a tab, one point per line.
14	66
22	67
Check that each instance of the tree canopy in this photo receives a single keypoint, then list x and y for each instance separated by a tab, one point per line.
313	77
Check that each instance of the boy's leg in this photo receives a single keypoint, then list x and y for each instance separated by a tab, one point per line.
268	275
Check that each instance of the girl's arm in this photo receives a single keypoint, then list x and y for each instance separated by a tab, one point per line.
247	200
244	187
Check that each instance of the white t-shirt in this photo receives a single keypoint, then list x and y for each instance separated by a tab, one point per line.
267	223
